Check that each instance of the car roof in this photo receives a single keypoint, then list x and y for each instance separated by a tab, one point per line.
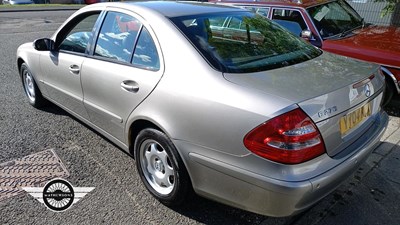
175	8
296	3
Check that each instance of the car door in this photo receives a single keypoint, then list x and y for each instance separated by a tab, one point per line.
124	67
62	66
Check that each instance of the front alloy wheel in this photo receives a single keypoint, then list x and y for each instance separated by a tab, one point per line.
30	87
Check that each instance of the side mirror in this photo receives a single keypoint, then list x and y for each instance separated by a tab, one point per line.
43	44
306	34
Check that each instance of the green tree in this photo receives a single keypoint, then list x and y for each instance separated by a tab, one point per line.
390	6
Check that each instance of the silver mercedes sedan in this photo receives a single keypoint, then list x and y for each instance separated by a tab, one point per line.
211	99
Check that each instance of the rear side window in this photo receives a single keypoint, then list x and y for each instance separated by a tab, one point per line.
117	37
145	54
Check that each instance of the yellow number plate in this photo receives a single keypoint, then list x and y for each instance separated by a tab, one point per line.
351	120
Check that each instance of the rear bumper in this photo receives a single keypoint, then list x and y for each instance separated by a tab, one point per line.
241	188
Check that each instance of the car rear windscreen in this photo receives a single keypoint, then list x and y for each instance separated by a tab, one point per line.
241	42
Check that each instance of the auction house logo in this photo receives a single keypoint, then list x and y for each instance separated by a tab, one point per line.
58	194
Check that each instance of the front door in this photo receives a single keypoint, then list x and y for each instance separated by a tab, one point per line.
62	66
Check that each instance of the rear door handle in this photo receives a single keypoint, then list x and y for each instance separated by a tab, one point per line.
74	69
130	85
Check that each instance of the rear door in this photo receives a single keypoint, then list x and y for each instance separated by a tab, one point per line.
123	69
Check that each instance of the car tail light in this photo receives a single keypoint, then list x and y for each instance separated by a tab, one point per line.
290	138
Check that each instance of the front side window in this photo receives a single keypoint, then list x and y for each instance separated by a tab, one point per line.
256	45
117	37
80	35
334	18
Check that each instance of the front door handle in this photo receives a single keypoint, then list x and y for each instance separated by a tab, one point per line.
130	85
74	69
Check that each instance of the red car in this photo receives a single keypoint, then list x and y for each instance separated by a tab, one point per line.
335	27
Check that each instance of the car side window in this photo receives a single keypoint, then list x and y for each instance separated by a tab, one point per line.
117	37
79	36
290	19
261	11
145	54
235	23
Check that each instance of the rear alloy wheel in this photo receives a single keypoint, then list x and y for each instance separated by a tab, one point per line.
160	167
31	89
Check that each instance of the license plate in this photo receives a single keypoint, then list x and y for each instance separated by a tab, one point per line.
352	119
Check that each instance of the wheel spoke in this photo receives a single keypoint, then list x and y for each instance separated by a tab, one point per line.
148	155
153	148
159	181
165	182
168	170
163	156
150	169
169	174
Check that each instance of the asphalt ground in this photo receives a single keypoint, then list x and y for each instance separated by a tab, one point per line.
370	196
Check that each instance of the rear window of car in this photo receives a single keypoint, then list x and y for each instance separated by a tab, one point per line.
241	42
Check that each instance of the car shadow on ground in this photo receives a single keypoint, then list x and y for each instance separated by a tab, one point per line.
54	109
209	212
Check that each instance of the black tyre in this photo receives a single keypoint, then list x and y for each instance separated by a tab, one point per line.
161	168
389	91
31	89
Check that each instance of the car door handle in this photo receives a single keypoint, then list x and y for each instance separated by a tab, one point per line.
130	85
74	69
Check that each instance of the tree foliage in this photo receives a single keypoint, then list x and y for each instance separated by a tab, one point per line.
389	8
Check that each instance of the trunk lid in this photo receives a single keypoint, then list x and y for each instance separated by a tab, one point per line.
339	94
